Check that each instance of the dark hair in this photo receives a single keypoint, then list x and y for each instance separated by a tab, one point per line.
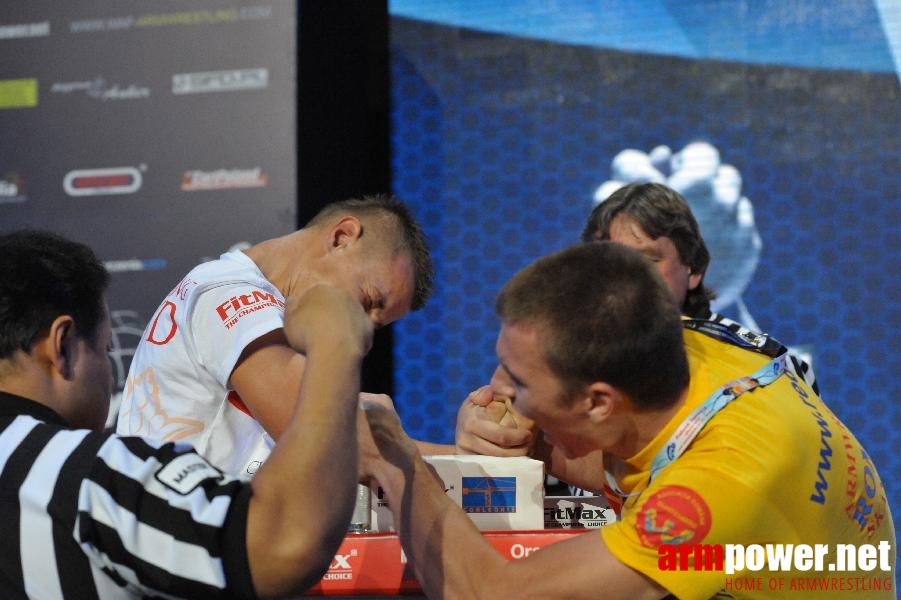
408	234
660	211
43	276
602	313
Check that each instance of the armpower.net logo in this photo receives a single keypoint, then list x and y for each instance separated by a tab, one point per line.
776	559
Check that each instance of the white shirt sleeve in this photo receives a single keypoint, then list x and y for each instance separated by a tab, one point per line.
226	318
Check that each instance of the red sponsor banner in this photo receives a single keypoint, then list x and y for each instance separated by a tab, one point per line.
94	182
374	564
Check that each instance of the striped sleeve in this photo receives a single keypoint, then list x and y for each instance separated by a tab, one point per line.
772	347
90	515
161	518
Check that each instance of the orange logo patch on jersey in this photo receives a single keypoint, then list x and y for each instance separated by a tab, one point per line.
673	515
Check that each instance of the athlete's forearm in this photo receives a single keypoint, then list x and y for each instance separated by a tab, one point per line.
433	530
431	448
304	493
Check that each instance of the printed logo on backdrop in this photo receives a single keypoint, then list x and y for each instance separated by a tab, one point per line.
489	494
99	89
173	19
127	327
101	182
220	81
24	30
12	189
18	93
222	179
130	265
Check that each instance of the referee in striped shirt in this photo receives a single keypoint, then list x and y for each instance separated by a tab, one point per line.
90	514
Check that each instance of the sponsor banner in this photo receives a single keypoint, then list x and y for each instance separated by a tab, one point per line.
98	182
18	93
99	89
577	512
220	81
127	327
24	30
12	189
134	264
172	19
376	564
222	179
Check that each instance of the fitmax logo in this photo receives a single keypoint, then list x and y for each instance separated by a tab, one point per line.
576	513
241	304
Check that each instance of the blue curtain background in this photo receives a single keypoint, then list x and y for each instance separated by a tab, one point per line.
507	117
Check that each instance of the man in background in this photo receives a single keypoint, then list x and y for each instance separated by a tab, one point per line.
657	221
89	514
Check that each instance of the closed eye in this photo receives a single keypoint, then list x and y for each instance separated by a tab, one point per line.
516	381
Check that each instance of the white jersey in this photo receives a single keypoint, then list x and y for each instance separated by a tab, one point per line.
177	386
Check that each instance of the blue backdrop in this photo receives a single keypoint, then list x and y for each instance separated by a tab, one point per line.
507	119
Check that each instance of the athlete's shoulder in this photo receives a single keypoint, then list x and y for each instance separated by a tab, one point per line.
230	265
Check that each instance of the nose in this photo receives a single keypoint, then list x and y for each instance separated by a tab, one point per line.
501	384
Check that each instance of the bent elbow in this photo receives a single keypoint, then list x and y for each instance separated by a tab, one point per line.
290	565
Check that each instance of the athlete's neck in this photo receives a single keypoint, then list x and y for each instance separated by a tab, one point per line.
640	427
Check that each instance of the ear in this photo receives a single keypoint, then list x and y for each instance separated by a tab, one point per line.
345	232
694	279
601	400
60	345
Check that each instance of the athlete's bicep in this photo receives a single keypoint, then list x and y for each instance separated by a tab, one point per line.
266	379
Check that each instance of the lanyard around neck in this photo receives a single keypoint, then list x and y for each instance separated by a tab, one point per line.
689	429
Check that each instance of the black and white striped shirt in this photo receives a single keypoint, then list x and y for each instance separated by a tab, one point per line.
95	515
762	342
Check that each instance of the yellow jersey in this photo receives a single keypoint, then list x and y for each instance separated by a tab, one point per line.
774	488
